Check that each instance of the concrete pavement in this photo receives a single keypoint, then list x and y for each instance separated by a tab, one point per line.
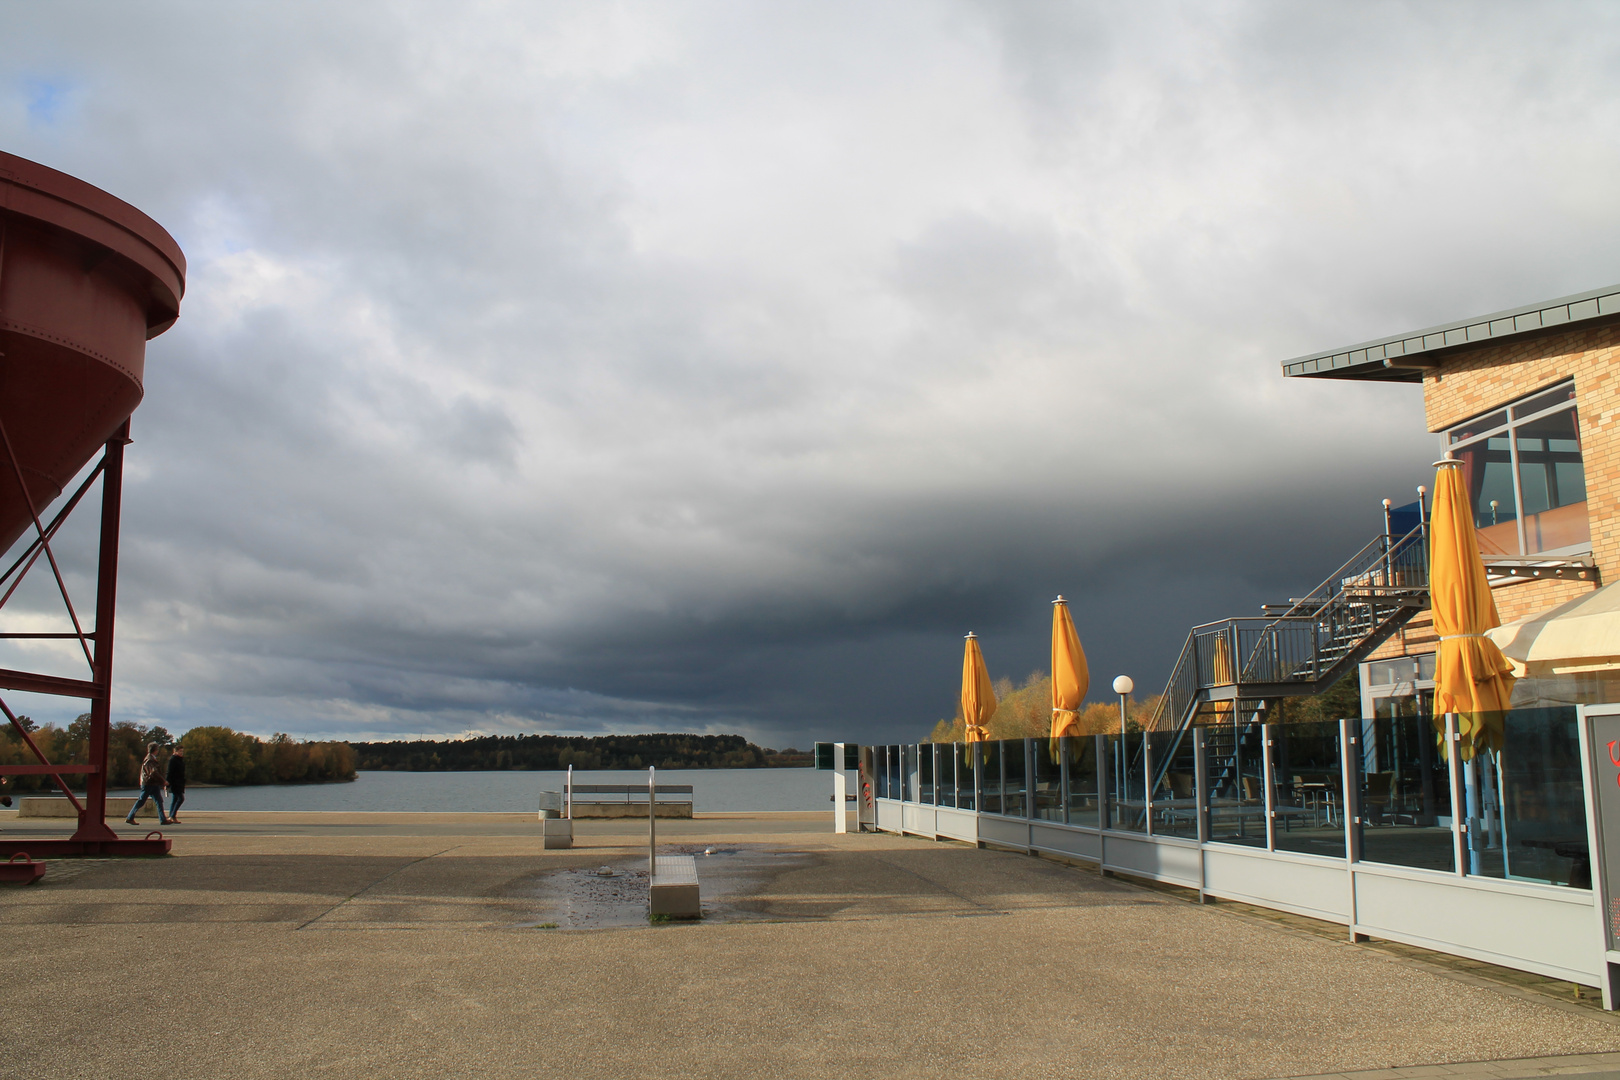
455	945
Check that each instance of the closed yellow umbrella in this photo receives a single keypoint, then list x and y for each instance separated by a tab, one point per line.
1220	663
1471	676
1070	676
978	696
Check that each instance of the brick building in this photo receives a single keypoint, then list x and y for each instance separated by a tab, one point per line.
1529	400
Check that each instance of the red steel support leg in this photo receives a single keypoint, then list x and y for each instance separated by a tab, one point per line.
92	819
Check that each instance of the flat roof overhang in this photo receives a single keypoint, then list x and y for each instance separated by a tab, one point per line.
1405	357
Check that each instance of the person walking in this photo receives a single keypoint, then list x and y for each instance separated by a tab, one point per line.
151	785
176	775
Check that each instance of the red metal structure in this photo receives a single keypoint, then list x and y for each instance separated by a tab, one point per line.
85	281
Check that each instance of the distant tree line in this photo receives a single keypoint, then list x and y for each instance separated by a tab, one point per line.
214	755
665	751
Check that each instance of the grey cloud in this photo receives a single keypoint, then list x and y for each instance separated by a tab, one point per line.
717	367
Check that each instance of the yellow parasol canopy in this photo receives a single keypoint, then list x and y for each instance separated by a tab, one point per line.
1471	677
1070	676
978	696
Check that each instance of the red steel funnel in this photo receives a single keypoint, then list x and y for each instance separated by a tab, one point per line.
85	281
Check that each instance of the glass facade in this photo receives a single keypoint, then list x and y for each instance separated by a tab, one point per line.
966	769
1308	789
1015	780
1084	801
1521	811
1526	476
1046	779
1235	759
1175	793
989	777
1405	791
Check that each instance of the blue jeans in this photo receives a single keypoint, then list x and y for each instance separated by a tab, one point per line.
156	795
175	799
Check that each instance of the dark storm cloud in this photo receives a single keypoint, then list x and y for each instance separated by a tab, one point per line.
619	367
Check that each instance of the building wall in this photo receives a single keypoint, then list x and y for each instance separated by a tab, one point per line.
1478	381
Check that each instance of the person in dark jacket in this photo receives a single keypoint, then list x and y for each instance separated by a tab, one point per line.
177	782
151	785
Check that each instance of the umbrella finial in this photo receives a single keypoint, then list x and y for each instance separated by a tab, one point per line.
1059	600
1449	459
971	634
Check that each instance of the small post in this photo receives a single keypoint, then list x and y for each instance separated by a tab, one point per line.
652	821
840	784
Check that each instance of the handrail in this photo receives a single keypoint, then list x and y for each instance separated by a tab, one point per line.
1311	640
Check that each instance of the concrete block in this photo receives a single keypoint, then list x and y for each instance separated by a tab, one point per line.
48	806
558	832
630	809
674	888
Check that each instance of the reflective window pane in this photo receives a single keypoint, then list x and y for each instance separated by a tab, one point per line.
1488	472
894	772
1175	799
925	774
1525	807
1237	803
1012	764
946	757
880	776
1474	428
965	757
1084	801
1405	790
1308	804
1046	784
990	777
1552	481
1128	784
1558	395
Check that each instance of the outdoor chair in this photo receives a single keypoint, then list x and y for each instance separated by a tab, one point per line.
1377	799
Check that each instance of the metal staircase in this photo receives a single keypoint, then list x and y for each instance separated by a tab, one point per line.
1229	669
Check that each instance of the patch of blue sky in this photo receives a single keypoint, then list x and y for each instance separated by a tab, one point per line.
47	100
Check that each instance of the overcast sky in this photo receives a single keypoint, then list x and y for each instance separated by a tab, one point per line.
615	367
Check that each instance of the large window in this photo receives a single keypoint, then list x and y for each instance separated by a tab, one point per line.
1525	475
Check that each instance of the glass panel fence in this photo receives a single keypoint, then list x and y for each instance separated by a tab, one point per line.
1405	796
1013	758
925	774
1046	783
1128	784
1175	794
880	772
965	757
989	777
1525	805
1309	799
1234	752
946	755
894	772
1084	802
909	772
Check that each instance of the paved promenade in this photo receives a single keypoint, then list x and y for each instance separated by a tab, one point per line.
444	945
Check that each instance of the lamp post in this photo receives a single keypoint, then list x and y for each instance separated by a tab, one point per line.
1123	687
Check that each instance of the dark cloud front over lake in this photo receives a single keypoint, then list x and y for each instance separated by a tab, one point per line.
715	367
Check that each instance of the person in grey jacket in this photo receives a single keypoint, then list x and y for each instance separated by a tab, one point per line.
177	782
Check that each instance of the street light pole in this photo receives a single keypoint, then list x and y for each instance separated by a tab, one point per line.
1123	687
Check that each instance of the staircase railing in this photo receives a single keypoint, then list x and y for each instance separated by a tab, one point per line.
1301	647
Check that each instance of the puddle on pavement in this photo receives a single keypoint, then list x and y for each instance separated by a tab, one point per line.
591	899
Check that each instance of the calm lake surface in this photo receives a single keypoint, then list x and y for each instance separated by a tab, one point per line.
491	792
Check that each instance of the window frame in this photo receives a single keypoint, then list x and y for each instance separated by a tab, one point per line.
1512	421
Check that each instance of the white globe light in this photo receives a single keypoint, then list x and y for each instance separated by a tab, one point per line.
1123	685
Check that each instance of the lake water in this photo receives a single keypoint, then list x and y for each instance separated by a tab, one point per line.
712	790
